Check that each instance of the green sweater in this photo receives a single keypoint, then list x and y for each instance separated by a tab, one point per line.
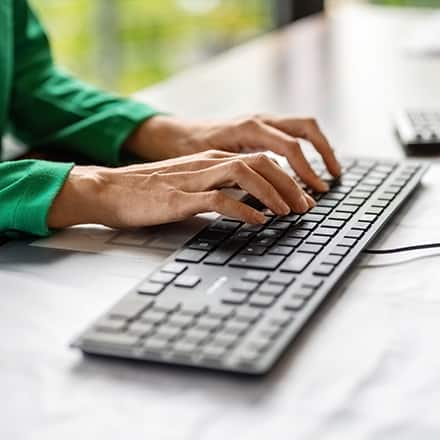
41	105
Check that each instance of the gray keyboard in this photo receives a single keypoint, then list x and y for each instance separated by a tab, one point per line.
236	295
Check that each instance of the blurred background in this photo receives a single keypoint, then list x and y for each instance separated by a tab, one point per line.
126	45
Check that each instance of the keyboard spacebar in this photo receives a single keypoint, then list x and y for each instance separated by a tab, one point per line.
268	262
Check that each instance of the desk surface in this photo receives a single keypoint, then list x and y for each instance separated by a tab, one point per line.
367	368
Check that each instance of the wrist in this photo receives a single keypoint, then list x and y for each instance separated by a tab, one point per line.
78	202
163	137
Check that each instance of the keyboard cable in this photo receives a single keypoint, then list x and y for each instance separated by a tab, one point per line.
402	249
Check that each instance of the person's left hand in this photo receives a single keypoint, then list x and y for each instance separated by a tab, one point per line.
164	137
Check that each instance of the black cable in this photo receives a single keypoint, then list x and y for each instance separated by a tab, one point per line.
402	249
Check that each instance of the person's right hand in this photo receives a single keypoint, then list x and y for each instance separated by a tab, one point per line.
175	189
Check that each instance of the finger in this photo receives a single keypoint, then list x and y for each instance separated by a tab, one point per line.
308	128
289	189
232	173
264	136
219	202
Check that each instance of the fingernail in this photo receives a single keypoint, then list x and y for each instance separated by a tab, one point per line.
303	203
260	218
324	187
284	209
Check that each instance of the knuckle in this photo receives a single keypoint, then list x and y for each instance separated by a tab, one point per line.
250	123
238	167
261	159
214	154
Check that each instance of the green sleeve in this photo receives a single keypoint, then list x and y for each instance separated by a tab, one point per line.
50	108
27	190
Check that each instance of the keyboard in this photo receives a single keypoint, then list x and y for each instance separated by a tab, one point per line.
419	131
236	295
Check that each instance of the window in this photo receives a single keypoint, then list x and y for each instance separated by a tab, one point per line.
125	45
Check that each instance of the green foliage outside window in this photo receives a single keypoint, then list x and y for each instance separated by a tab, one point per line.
126	45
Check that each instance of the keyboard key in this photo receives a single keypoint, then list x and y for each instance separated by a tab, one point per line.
295	304
281	250
340	250
360	226
242	235
155	345
310	248
254	250
374	210
313	282
381	203
162	277
255	275
333	259
236	327
193	309
297	262
324	270
303	292
122	340
148	288
262	300
247	314
221	311
224	252
213	352
309	226
368	218
167	305
140	329
347	242
251	228
284	279
191	255
316	218
244	286
348	209
176	268
188	281
209	323
271	289
318	239
352	202
197	335
167	332
337	224
386	196
327	232
268	262
263	241
202	245
129	308
281	318
333	196
290	241
323	210
154	316
354	233
110	325
185	347
225	340
225	225
328	203
234	298
360	195
344	216
181	321
296	233
279	225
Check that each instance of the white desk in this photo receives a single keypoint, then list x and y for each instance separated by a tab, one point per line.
367	368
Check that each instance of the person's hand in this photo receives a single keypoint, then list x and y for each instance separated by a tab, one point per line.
163	137
175	189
